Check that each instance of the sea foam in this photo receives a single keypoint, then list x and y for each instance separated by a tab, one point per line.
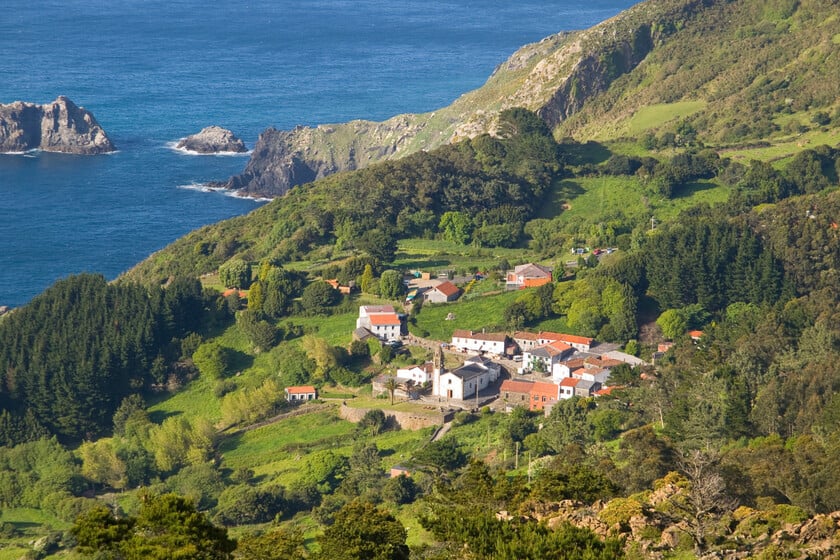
174	147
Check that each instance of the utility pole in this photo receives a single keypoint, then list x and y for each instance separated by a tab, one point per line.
516	461
529	468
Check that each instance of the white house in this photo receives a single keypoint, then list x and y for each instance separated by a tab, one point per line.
442	293
300	393
418	374
476	374
469	341
381	320
544	358
567	387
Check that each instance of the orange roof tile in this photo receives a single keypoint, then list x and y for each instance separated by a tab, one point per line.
384	319
569	382
300	389
447	288
524	335
515	386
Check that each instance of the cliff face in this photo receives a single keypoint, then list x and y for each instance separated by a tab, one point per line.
554	77
60	126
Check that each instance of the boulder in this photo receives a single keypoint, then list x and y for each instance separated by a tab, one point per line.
60	126
212	140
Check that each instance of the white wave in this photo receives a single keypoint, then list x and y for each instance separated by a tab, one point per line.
174	147
26	153
206	188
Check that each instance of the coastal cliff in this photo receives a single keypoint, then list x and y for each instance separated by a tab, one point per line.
60	126
554	77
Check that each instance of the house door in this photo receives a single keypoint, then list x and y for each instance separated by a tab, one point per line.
449	394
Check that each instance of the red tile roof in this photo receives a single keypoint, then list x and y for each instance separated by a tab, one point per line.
300	389
447	288
544	388
515	386
384	319
569	382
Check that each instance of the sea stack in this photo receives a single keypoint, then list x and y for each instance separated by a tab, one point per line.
212	140
60	126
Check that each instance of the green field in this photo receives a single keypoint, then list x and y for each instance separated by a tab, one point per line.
473	314
653	116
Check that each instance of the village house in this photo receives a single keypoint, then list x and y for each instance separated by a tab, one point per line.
462	383
579	343
586	388
533	395
567	387
543	358
516	392
442	293
300	393
381	320
527	275
399	470
567	368
543	394
491	343
418	374
526	340
624	358
343	290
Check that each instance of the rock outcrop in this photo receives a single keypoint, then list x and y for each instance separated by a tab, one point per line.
60	126
212	140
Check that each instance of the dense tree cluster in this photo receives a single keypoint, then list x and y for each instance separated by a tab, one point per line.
78	349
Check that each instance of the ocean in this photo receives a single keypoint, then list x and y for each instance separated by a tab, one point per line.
153	71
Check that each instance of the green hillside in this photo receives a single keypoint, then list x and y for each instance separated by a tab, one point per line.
677	166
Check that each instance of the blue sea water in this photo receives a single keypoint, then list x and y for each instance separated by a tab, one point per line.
153	71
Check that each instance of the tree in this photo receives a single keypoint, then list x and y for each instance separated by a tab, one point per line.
400	490
362	531
391	285
167	527
235	273
456	227
211	359
366	281
380	244
317	297
391	385
707	497
673	323
443	455
277	544
262	334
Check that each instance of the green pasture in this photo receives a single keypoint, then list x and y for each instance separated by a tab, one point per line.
472	314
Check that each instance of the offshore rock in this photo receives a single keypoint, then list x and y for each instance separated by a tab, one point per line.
60	126
212	140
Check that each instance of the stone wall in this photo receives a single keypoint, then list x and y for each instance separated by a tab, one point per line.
406	420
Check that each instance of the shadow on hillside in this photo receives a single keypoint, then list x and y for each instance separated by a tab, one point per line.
158	416
419	262
690	189
239	361
579	154
561	193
